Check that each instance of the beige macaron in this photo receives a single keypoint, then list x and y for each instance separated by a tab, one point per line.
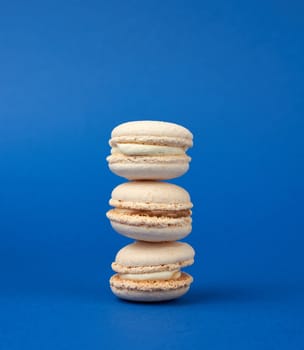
150	272
149	150
151	211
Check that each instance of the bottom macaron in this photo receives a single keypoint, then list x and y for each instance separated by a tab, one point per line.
151	272
150	291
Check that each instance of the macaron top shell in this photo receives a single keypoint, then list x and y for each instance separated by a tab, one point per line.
150	195
151	254
152	132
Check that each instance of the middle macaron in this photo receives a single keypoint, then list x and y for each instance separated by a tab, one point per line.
151	211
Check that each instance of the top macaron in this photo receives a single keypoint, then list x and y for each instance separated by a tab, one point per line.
149	150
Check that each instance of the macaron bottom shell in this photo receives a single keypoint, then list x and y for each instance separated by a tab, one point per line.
152	234
150	291
146	171
149	297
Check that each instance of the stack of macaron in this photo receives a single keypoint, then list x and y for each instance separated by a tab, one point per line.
154	213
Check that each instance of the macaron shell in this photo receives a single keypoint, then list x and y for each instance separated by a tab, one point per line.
146	171
152	128
150	291
152	234
148	297
152	254
151	195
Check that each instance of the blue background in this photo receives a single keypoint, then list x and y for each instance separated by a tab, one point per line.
230	71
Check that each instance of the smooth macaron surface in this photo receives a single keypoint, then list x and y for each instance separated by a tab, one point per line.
150	195
152	132
154	150
153	257
151	211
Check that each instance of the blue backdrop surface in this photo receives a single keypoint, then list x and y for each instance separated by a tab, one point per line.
233	73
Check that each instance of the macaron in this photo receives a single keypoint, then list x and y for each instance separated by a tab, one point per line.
149	150
151	272
152	211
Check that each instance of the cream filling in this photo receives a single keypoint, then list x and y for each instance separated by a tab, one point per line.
163	275
134	149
